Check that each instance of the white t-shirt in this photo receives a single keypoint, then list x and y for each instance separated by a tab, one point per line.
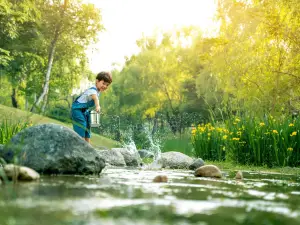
86	96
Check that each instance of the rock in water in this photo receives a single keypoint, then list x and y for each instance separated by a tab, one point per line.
131	157
112	157
208	171
196	164
53	149
14	172
160	179
175	160
239	175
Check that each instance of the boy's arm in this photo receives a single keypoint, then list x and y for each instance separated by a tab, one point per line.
96	100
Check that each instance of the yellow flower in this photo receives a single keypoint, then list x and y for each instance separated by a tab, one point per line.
239	133
218	129
262	124
291	125
208	134
235	139
225	137
237	120
293	134
290	149
275	131
193	132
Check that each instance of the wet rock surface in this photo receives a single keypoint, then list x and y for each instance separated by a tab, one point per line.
53	149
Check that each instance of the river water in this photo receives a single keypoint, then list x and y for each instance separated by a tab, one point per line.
128	196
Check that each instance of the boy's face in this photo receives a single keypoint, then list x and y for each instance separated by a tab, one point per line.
101	85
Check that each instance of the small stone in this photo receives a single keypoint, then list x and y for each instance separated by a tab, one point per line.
239	175
14	172
196	164
160	179
208	171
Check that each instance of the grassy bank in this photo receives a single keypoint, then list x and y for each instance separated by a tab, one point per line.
16	115
232	167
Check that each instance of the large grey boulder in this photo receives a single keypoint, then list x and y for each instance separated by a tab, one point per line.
53	149
131	157
175	160
113	157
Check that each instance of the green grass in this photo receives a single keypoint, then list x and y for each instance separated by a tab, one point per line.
176	143
233	166
16	115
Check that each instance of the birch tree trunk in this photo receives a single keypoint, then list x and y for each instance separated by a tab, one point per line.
50	63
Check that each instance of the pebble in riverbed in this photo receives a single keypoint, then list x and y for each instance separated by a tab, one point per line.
239	175
14	172
160	179
208	171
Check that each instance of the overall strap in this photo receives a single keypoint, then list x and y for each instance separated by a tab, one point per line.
94	88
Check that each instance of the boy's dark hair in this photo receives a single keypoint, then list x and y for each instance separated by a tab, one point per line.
106	76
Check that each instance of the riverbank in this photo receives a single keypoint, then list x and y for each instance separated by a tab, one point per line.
233	166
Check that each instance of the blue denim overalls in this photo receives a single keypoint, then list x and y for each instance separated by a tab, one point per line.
81	117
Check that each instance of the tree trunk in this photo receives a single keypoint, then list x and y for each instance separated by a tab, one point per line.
26	103
45	103
49	67
14	100
50	61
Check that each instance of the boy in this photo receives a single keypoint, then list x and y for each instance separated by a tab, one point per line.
87	100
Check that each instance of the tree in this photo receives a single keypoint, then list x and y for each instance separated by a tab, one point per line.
76	27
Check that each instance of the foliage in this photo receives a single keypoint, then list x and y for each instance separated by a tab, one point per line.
9	128
28	30
250	141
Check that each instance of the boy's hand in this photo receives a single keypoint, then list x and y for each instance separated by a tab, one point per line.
97	109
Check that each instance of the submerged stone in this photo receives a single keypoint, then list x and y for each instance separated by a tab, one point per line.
23	173
208	171
239	175
160	179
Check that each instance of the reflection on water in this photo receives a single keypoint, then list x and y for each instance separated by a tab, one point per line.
128	196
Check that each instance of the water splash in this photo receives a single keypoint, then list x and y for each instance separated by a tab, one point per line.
154	145
154	148
130	145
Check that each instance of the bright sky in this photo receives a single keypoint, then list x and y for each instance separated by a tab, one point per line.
126	21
